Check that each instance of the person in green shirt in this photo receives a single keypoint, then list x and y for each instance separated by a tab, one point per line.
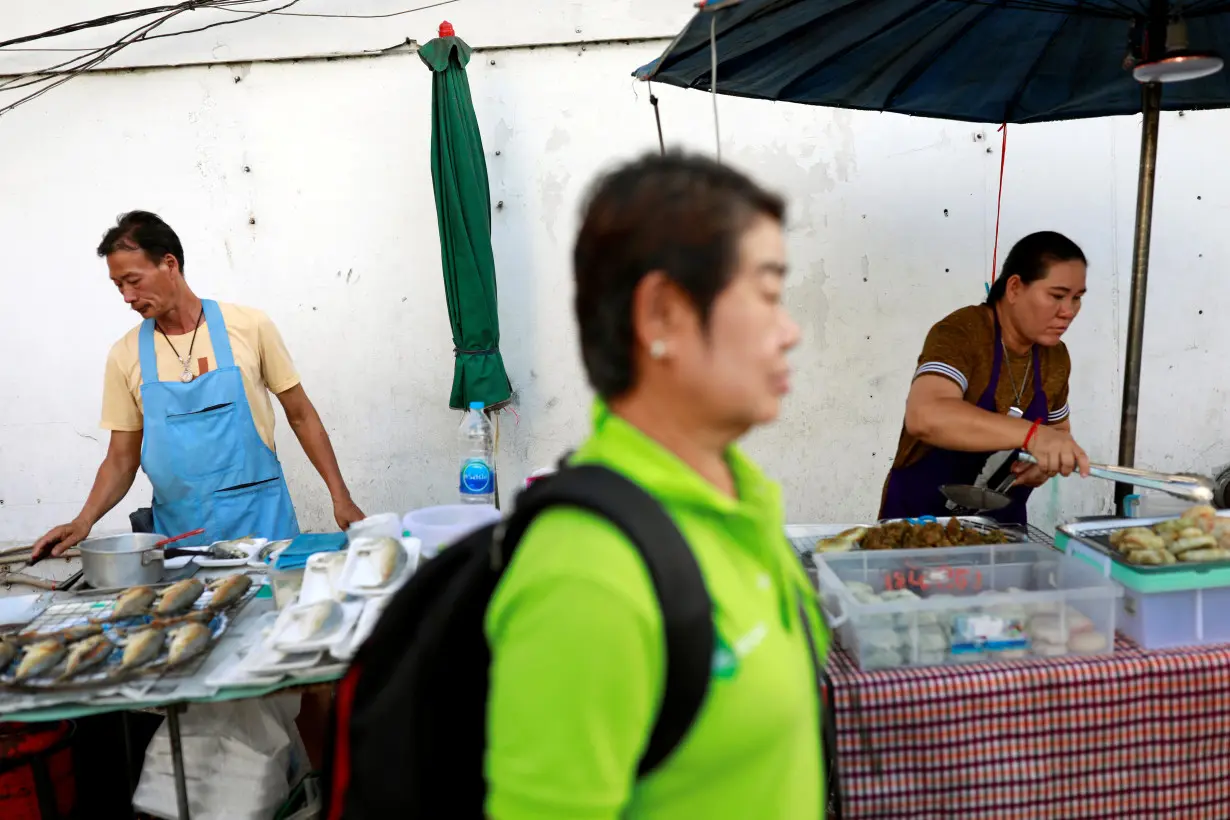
680	266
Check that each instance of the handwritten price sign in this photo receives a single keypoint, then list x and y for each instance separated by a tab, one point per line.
934	579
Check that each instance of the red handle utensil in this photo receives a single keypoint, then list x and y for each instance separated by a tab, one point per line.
179	537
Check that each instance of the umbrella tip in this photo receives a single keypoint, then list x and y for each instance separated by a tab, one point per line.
446	29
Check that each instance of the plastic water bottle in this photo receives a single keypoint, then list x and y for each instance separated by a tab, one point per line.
476	444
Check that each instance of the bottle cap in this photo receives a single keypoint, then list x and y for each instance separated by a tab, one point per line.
477	405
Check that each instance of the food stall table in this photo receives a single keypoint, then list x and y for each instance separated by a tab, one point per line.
190	691
1131	734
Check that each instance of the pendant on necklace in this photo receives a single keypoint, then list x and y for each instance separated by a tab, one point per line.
1015	412
187	376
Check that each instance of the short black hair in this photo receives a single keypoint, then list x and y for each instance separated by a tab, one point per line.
1031	259
678	213
142	231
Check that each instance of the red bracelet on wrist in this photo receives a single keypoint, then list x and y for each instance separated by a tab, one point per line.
1030	435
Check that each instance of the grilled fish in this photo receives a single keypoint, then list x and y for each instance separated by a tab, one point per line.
72	633
198	615
266	552
231	549
132	602
179	597
87	654
39	658
312	619
8	651
228	590
79	632
386	554
143	647
187	642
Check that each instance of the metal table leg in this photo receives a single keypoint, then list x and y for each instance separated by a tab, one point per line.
132	787
177	760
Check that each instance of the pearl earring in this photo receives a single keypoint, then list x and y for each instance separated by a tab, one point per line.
657	349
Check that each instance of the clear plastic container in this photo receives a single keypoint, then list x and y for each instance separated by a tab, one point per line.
1162	620
1162	607
930	607
436	527
383	525
286	585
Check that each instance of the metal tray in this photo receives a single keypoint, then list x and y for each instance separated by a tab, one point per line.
1096	536
803	537
1025	534
85	608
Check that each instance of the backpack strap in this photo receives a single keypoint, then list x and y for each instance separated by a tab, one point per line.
687	610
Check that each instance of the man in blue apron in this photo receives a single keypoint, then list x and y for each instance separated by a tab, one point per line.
186	398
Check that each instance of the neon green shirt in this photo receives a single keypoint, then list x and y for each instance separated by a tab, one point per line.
578	659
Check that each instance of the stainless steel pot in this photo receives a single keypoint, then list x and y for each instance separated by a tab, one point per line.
126	560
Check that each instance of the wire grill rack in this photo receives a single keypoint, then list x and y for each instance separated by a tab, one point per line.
97	609
803	538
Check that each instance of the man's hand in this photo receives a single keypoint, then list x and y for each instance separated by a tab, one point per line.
60	539
346	512
1028	475
114	477
305	421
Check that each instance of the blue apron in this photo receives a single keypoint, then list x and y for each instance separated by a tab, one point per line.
208	464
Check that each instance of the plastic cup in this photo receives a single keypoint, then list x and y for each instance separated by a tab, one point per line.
438	527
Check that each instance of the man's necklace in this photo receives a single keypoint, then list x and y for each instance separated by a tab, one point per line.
186	376
1017	391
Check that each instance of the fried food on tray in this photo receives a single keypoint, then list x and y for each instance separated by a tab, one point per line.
842	542
904	535
1196	536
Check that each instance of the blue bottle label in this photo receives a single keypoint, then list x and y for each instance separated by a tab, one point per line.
476	478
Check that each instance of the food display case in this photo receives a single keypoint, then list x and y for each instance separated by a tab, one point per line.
922	533
1163	605
951	605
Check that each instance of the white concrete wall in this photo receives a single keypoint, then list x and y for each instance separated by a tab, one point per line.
892	222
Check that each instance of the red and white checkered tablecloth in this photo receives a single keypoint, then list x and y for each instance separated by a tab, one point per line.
1133	734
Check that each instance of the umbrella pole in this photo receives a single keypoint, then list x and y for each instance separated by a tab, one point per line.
1151	94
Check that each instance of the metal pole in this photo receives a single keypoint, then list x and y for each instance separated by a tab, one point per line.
1151	95
132	786
177	760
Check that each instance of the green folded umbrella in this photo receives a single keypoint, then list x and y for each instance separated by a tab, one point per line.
463	208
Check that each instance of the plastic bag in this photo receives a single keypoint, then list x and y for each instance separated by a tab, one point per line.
240	760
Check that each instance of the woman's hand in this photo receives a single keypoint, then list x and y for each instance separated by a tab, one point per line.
1057	452
1029	475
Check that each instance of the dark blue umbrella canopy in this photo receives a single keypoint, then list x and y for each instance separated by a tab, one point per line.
991	61
1016	61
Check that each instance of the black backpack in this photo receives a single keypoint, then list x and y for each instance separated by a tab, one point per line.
408	732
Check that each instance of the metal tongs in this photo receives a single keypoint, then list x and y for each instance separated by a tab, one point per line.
1195	488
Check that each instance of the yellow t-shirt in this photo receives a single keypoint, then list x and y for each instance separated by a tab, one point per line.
259	352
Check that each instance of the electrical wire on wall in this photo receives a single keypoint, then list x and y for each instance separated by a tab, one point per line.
354	16
51	77
999	206
713	58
